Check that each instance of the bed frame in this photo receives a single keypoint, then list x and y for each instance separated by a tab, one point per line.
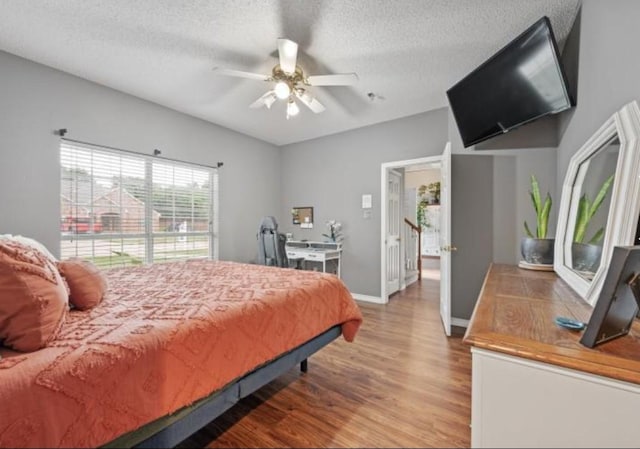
170	430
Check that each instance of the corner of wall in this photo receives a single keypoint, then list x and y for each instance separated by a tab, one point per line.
570	60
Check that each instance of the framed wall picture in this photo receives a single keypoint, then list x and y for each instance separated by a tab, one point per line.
302	216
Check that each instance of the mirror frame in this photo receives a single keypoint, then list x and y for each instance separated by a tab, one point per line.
622	219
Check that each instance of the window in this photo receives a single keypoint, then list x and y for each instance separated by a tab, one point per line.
119	208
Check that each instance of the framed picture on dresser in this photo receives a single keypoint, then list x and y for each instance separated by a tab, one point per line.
619	300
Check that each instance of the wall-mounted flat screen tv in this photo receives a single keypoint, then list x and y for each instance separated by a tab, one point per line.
520	83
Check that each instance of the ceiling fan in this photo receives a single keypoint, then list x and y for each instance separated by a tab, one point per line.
290	81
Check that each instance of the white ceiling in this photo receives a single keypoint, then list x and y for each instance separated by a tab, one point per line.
407	51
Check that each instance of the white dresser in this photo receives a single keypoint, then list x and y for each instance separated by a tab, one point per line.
313	251
533	383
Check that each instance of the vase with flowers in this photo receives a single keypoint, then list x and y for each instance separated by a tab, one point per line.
334	231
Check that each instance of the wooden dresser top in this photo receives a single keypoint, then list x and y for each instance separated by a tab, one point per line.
515	315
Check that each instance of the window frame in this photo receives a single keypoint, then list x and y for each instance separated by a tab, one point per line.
149	235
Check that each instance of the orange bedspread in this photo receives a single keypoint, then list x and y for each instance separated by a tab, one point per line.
165	336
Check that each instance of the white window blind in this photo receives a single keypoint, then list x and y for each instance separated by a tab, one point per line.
120	209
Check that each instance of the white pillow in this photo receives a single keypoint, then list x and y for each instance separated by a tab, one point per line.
32	243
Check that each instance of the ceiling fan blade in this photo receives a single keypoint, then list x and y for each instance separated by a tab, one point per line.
310	102
241	74
266	100
288	53
338	79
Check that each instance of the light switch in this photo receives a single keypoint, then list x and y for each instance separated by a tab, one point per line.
366	201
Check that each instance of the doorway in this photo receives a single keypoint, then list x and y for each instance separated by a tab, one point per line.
422	206
396	253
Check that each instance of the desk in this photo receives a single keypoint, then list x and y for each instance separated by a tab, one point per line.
315	252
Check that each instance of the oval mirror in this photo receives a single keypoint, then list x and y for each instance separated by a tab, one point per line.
589	210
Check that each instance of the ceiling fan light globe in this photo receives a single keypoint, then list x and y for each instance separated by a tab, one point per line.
282	90
292	109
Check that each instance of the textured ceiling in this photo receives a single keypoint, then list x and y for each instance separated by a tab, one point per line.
407	51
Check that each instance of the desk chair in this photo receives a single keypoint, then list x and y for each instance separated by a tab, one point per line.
271	250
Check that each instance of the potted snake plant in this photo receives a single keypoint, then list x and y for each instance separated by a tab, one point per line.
536	248
585	255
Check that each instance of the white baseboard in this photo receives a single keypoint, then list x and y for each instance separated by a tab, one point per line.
367	298
413	277
459	322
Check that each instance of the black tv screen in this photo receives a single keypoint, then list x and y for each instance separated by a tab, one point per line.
520	83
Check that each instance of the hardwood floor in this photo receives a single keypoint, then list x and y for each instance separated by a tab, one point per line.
402	383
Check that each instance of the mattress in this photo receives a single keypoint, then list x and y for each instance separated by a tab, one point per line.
165	336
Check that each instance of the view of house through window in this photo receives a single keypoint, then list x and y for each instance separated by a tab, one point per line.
119	208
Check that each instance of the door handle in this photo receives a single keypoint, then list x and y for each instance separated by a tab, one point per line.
449	248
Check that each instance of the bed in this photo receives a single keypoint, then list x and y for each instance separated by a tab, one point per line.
169	348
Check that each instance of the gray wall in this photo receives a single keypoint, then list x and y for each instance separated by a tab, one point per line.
332	173
36	99
471	229
489	206
571	64
609	71
505	222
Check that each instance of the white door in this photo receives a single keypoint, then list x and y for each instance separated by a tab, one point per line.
445	240
393	231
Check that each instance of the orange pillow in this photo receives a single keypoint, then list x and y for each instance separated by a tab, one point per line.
86	283
33	298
